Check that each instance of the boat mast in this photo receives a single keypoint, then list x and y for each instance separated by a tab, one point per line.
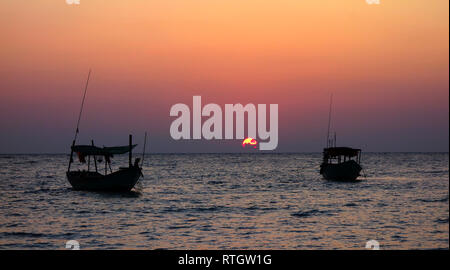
143	151
334	139
329	120
130	155
79	118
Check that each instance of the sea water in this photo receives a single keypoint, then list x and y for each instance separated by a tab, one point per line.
229	201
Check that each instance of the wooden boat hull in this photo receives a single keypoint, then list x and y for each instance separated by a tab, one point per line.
345	171
122	180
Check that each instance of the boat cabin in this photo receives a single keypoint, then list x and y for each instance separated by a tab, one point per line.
107	153
341	154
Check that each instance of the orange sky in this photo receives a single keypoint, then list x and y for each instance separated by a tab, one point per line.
386	64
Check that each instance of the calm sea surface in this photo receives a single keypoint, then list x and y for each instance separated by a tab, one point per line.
223	201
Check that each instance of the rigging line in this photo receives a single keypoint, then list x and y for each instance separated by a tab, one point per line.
82	104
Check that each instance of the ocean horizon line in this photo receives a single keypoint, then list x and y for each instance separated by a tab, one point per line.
247	153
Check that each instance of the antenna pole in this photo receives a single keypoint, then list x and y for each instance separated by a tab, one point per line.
329	120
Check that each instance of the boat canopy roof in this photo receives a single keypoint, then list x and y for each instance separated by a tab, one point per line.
341	151
90	150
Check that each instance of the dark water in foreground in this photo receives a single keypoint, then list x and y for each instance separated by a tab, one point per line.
223	201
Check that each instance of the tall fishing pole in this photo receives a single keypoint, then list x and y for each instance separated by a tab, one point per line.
82	105
78	122
329	120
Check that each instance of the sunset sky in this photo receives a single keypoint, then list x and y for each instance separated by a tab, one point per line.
387	66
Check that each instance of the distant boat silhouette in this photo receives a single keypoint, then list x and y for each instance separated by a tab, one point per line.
339	163
122	180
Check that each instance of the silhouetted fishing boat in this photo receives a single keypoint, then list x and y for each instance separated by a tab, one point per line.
122	180
339	163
